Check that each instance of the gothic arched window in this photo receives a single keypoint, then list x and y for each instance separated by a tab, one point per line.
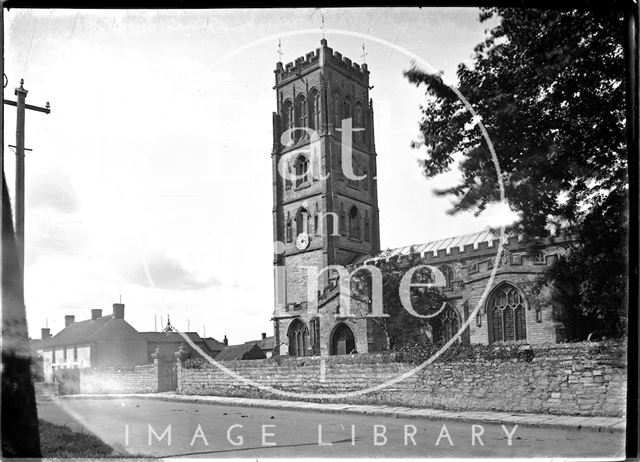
354	223
302	116
302	165
447	272
367	231
506	313
342	223
346	113
289	230
302	221
337	110
358	115
446	325
314	109
288	119
297	338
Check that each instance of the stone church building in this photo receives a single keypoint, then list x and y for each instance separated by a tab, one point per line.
323	217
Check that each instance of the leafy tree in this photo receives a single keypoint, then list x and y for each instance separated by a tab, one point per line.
548	87
401	327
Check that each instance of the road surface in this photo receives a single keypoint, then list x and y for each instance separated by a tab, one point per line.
144	427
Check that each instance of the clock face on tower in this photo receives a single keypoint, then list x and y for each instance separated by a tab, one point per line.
302	241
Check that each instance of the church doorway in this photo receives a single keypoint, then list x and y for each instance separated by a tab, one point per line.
298	338
342	340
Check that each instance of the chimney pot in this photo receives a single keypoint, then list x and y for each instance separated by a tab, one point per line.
264	336
118	310
95	314
225	341
69	319
45	333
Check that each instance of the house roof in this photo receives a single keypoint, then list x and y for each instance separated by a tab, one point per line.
170	336
91	330
213	344
238	352
267	344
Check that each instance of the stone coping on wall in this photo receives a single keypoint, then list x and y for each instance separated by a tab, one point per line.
105	369
612	350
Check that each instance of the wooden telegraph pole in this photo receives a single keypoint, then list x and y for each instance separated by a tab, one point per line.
21	95
19	417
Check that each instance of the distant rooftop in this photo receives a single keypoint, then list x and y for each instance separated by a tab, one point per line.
264	344
104	327
238	352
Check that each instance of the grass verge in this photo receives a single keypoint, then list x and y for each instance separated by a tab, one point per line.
60	441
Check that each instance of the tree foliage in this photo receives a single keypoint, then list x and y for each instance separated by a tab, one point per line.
401	326
548	87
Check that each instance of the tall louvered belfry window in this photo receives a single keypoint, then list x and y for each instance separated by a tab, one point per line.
314	110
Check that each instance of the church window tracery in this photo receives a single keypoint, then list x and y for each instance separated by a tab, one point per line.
297	338
302	116
446	325
506	312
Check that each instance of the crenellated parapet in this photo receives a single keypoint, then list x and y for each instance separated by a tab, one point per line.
481	245
323	56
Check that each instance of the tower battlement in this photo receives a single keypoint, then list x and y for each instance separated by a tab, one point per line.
322	56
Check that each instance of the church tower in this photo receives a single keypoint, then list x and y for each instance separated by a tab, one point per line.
325	212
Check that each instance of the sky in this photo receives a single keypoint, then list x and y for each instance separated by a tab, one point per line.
150	180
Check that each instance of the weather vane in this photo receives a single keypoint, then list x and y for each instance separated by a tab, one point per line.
323	29
364	54
279	51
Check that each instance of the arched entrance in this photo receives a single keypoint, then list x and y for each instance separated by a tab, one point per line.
342	340
297	338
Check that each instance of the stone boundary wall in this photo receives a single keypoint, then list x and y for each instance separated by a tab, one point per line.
572	379
138	379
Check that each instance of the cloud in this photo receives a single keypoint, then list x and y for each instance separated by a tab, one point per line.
158	270
54	191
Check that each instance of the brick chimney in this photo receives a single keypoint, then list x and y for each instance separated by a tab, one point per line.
69	319
96	313
118	310
264	336
45	333
225	341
